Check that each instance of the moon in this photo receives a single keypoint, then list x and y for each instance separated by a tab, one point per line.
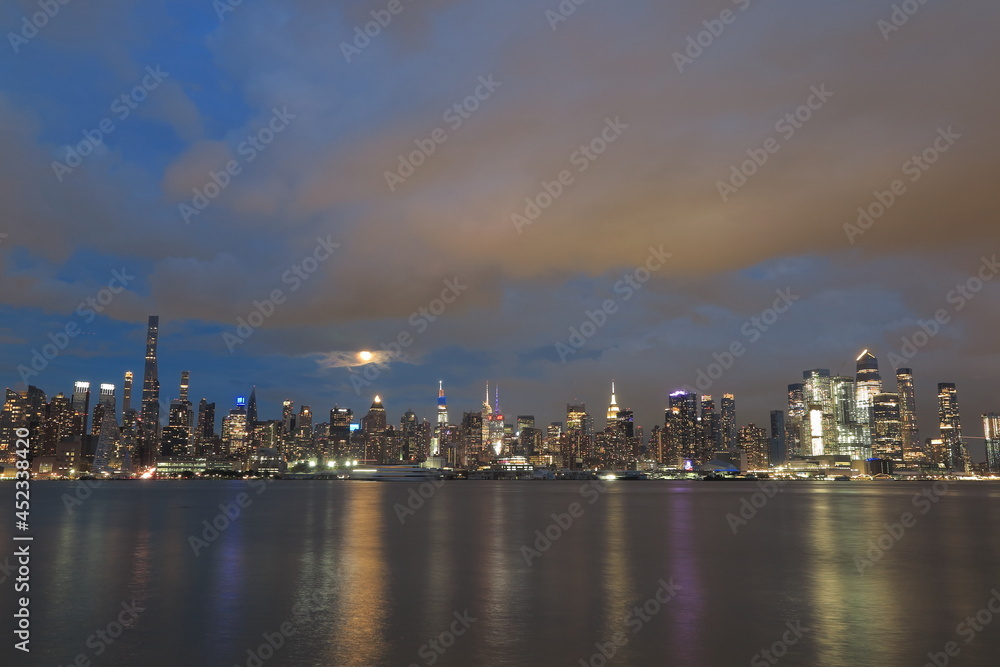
365	355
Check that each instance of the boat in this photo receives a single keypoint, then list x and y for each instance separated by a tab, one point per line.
404	472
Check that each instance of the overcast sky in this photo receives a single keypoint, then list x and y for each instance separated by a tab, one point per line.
311	121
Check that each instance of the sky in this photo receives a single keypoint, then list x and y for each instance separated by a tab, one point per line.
663	171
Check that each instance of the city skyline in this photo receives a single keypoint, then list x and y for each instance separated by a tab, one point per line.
873	397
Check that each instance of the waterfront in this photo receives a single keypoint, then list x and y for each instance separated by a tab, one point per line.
368	573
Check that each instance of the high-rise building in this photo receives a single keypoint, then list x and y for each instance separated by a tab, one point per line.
340	431
682	439
373	427
728	422
778	453
410	436
186	382
797	419
819	433
81	406
887	442
58	425
150	412
991	431
754	441
106	402
711	425
442	420
851	437
869	383
127	399
205	429
951	428
235	436
913	451
612	408
252	406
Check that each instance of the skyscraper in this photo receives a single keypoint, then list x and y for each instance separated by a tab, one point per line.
106	402
819	431
711	430
795	424
127	398
613	408
951	428
410	436
869	383
887	442
851	437
373	427
251	405
680	428
778	453
754	441
81	406
442	420
205	430
150	412
991	430
913	451
727	422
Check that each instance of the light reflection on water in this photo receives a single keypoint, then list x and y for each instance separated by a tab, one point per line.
377	590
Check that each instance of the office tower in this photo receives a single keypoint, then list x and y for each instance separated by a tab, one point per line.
887	441
441	424
288	415
869	383
851	437
796	421
127	399
373	426
486	413
612	408
410	436
496	424
778	452
150	412
755	443
711	425
577	443
252	406
186	382
935	451
680	428
177	435
22	409
471	436
235	436
727	422
819	433
913	451
991	431
340	431
626	423
304	421
951	428
106	402
81	406
206	420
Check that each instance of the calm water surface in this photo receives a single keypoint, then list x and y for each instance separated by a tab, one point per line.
334	563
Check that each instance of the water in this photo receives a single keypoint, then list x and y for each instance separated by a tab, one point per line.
356	586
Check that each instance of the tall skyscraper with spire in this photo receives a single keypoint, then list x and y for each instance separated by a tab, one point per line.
442	420
150	412
613	408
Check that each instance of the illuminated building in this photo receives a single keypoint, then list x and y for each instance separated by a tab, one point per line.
869	383
950	421
796	421
410	437
373	427
612	416
340	431
727	422
106	402
680	428
442	420
887	441
234	431
81	406
755	443
851	437
913	452
820	432
991	430
150	411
